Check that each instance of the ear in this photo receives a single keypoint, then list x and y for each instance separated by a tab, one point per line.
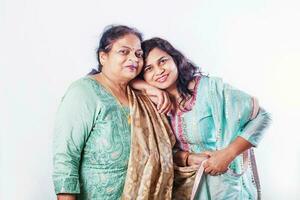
102	57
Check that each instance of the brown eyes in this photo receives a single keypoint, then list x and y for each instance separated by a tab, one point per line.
163	61
139	54
160	63
148	68
125	52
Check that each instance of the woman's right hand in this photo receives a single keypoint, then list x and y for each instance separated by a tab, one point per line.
196	158
160	98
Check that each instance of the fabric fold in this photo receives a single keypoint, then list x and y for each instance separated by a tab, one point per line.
150	169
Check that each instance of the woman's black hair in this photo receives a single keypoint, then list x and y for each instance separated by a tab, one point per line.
186	69
110	34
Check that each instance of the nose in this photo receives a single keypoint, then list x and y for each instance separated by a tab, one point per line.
133	58
159	71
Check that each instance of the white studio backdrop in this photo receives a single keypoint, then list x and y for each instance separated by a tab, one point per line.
45	45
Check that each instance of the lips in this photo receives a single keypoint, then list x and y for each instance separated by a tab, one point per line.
162	78
132	67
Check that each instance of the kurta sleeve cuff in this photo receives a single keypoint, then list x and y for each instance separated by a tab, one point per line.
254	129
67	185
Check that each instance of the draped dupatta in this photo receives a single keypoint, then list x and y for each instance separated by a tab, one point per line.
150	169
238	114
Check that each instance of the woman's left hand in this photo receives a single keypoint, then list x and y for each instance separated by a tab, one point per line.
218	161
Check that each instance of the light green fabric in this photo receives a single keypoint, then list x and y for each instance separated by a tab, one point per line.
220	113
91	143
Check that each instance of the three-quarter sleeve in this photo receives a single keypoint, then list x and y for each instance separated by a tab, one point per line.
234	110
74	122
251	120
253	130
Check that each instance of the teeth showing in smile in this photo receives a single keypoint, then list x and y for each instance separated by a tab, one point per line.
162	79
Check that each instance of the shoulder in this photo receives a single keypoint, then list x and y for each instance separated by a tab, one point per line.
217	85
82	84
210	87
204	79
81	89
202	83
214	81
201	89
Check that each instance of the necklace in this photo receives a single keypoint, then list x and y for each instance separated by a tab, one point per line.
128	116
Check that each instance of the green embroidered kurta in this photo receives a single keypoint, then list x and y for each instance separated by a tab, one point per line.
91	143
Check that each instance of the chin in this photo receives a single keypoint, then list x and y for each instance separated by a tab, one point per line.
161	86
131	75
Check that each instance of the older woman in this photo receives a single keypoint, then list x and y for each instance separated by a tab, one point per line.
106	136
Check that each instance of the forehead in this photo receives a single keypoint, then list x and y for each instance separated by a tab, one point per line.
155	54
129	40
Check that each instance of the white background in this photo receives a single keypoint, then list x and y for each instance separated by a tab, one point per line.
45	45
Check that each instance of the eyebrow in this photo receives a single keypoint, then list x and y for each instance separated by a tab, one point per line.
161	58
127	47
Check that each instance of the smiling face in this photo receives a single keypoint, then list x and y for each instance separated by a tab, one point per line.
160	69
125	59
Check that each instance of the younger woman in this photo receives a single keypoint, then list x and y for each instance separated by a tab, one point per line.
208	117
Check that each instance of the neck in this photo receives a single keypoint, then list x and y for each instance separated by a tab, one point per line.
175	94
114	83
115	87
173	91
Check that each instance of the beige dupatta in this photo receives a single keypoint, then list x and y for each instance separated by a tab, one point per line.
150	169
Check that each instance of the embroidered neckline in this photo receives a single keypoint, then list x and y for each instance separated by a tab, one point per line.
193	100
97	85
179	128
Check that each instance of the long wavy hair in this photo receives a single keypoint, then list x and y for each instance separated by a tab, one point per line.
186	69
110	34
